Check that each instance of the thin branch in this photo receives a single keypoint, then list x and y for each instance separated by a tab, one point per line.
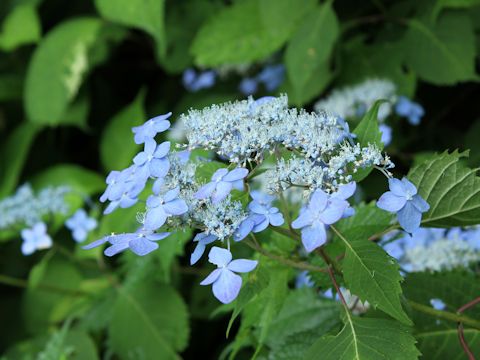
20	283
461	335
285	261
441	314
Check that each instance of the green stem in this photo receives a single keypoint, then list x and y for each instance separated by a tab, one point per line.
285	261
20	283
444	314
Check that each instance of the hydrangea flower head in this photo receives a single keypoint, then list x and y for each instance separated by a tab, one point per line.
35	238
404	200
153	160
226	283
221	185
266	213
142	242
321	210
80	224
152	127
409	109
160	207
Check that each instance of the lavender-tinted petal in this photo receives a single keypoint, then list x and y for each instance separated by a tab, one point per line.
150	146
205	191
243	229
44	242
155	218
140	158
276	219
242	265
304	219
157	186
115	249
409	217
96	243
257	208
227	286
159	167
162	150
420	203
397	187
111	207
175	207
212	277
261	197
126	202
171	194
345	191
79	234
235	174
219	174
409	187
313	237
142	246
197	253
219	256
262	225
334	211
39	228
221	191
28	248
153	201
161	126
158	236
349	211
318	201
391	202
238	185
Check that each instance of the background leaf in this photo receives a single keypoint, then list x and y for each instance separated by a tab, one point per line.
22	26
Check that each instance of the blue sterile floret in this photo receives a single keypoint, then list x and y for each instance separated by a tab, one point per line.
386	134
222	183
80	224
159	207
225	282
409	109
151	128
193	81
404	200
35	238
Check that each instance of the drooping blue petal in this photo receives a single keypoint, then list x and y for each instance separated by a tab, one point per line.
212	277
142	246
409	217
155	218
420	203
175	207
261	225
245	227
96	243
276	219
205	191
235	174
242	265
157	236
115	249
221	191
197	253
391	202
219	256
313	237
227	286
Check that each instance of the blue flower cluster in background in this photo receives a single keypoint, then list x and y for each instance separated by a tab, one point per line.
271	76
195	81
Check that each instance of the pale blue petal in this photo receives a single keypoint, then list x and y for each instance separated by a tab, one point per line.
153	201
175	207
420	203
219	256
197	253
115	249
171	194
212	277
391	202
345	191
157	186
276	219
236	174
142	246
157	236
304	219
397	187
150	146
227	286
96	243
221	191
409	187
409	217
334	211
28	248
313	237
140	158
79	234
205	191
242	265
155	218
162	150
244	229
318	201
219	174
262	225
159	167
258	208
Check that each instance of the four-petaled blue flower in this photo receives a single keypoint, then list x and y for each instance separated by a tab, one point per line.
160	207
35	238
322	210
222	183
226	284
202	239
409	109
152	127
194	81
404	200
153	159
267	214
80	224
141	242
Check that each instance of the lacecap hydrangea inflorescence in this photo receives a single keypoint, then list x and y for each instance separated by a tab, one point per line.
312	151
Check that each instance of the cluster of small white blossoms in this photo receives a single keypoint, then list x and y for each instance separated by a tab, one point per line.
324	155
352	101
25	208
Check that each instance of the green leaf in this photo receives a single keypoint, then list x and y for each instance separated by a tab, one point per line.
149	321
20	27
246	31
146	15
13	155
444	344
51	293
367	130
169	249
451	189
371	274
57	69
311	45
302	311
443	53
363	338
82	181
117	147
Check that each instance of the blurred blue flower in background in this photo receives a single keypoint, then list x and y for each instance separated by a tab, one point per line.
80	224
193	81
386	134
409	109
35	238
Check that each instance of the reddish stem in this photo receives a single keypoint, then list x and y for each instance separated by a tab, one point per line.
461	335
